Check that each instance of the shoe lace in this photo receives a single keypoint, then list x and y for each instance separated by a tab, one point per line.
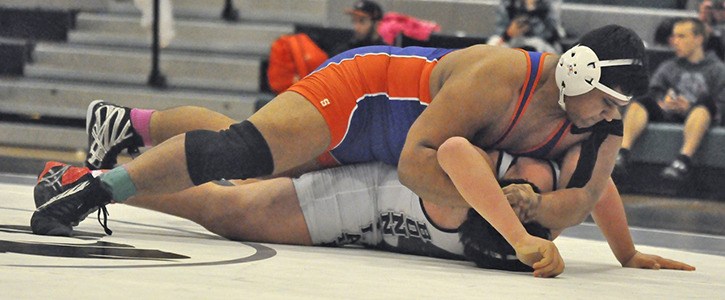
104	224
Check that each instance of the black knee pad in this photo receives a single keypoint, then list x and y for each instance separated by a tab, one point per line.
239	152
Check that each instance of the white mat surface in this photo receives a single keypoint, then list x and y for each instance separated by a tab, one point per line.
216	268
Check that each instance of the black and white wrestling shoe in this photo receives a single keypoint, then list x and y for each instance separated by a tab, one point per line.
109	132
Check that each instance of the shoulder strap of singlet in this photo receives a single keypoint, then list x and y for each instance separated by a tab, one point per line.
506	161
544	148
555	172
534	65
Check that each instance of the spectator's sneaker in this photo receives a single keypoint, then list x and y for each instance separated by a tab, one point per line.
57	178
677	171
109	132
77	200
620	163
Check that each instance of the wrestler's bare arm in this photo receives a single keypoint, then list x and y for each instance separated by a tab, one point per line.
612	221
609	215
472	175
568	207
475	93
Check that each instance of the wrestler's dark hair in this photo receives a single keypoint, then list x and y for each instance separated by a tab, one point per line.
617	42
486	247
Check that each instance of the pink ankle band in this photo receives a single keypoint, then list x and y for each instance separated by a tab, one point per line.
140	119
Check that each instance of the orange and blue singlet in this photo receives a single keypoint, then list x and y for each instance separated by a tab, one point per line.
371	96
535	65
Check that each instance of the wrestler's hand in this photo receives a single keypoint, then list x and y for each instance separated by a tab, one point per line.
649	261
523	200
540	254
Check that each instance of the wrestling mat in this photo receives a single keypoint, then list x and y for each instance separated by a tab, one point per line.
152	255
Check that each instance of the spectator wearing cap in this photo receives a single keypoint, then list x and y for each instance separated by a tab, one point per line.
365	17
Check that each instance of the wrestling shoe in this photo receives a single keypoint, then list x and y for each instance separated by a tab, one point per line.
678	170
68	204
109	132
56	178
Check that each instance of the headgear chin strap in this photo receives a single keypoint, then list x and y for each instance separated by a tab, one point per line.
579	71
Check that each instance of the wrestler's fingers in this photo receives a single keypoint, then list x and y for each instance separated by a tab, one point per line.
509	189
554	268
512	196
650	264
545	261
550	265
675	265
516	192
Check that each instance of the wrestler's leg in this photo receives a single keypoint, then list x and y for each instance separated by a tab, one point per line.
112	129
294	129
165	124
262	211
291	126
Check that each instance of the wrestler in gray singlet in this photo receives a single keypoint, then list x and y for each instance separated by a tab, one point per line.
367	205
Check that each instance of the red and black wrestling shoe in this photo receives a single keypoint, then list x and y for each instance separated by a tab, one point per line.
64	196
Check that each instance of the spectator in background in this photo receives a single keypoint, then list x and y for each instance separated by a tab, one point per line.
712	14
529	24
685	89
365	17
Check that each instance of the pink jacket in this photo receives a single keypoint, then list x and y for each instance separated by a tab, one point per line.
395	23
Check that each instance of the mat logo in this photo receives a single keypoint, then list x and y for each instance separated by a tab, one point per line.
95	249
87	246
398	224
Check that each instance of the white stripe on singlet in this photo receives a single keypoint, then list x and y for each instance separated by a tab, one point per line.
506	161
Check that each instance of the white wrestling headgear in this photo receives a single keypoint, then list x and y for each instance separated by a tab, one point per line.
579	71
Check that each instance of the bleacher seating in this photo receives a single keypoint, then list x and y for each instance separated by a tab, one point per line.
658	146
36	24
327	38
661	142
664	4
14	53
442	41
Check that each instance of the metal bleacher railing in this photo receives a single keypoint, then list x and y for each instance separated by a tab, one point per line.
156	78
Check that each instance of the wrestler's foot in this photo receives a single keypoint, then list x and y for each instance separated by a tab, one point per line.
678	170
109	132
65	209
56	178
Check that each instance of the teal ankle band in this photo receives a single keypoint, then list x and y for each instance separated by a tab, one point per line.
120	184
